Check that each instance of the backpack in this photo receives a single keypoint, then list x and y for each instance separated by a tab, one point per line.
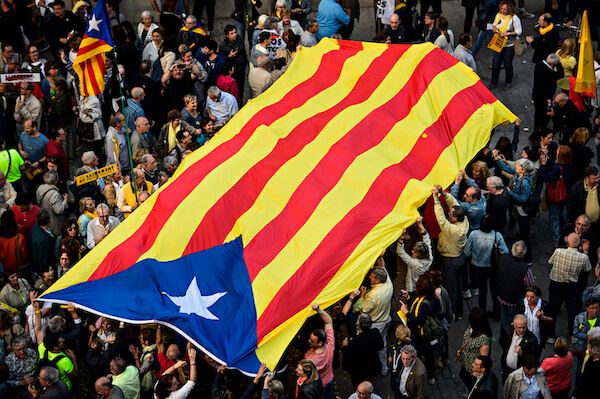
46	362
433	330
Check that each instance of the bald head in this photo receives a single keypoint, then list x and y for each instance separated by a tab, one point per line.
365	387
394	21
263	62
573	240
103	387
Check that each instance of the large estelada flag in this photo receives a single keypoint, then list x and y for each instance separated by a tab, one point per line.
90	60
586	80
292	201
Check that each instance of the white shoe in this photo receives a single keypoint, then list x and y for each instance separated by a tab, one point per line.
467	294
431	381
475	291
551	341
573	340
523	12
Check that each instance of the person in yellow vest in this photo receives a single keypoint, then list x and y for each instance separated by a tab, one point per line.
128	201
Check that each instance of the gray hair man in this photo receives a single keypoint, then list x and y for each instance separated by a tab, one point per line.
413	375
220	106
377	303
52	200
259	78
98	229
567	264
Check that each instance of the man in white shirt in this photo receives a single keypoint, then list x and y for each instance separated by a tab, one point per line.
99	228
220	106
308	38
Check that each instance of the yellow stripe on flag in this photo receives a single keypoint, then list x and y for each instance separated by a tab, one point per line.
403	215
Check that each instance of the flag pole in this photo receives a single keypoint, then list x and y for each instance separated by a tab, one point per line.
126	133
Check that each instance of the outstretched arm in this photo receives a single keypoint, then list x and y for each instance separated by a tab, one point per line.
324	316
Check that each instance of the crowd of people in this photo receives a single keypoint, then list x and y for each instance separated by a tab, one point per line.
170	87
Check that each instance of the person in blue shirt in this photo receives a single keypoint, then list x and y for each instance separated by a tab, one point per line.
473	202
331	17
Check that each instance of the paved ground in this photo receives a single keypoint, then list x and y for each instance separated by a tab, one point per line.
448	385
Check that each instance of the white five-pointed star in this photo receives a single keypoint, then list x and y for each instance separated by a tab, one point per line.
94	24
194	302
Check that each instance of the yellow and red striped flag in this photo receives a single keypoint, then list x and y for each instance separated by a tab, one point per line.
300	191
585	82
89	63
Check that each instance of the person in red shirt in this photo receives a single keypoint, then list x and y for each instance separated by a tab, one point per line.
170	357
322	344
25	214
54	149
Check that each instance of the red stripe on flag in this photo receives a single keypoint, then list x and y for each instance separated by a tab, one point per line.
121	257
220	219
89	66
271	239
379	201
91	47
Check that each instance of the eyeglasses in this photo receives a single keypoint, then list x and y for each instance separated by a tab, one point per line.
34	51
71	228
64	259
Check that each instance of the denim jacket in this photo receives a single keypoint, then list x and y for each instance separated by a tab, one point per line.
475	210
479	247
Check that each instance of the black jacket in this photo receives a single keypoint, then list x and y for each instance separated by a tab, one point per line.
529	345
487	387
361	358
566	119
544	45
311	391
496	208
544	81
511	274
576	201
240	60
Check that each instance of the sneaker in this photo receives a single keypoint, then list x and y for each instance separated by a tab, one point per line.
492	86
467	294
550	341
523	12
475	291
431	381
573	340
506	86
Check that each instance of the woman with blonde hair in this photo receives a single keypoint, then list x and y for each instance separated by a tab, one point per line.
582	155
506	24
87	206
568	62
308	385
480	172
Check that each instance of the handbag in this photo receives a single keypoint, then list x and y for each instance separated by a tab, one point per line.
458	355
520	47
557	191
497	42
85	130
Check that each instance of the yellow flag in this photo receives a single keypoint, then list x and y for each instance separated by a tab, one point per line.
586	81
